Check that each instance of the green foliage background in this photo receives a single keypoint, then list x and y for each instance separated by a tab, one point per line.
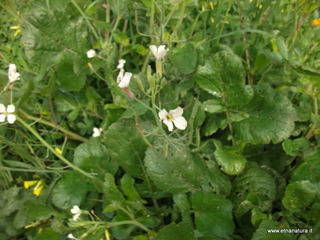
246	73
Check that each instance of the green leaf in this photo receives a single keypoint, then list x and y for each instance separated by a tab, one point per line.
32	210
112	193
299	195
254	187
184	58
271	117
213	215
309	169
222	75
93	157
269	225
296	147
127	147
128	188
181	231
48	234
213	123
67	78
213	106
282	47
172	170
70	190
182	202
229	159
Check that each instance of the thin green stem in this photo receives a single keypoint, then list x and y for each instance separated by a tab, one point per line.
46	144
67	132
86	19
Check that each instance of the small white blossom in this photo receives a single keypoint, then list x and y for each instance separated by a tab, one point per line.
121	63
97	132
7	113
70	236
123	78
91	53
13	75
158	52
173	117
76	211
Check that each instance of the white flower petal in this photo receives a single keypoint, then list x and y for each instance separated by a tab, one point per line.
75	209
120	75
121	63
125	80
11	118
161	51
154	50
176	112
97	132
169	124
180	122
71	236
11	108
12	67
76	216
163	114
91	53
2	108
2	117
13	75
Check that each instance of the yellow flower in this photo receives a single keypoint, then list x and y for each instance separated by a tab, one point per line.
37	189
58	150
315	22
27	184
17	28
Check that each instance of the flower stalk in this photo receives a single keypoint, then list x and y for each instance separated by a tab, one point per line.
46	144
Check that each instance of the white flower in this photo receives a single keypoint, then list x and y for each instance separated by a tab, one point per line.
173	117
158	52
121	63
7	112
76	211
91	53
123	78
13	75
96	132
71	236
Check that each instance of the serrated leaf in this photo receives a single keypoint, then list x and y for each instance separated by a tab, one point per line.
174	170
32	210
270	225
299	195
93	157
181	231
222	75
254	186
70	190
229	159
271	117
184	58
126	145
213	215
296	146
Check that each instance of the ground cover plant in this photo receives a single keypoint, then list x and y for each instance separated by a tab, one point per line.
159	119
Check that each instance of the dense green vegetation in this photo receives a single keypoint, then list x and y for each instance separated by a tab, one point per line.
159	119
